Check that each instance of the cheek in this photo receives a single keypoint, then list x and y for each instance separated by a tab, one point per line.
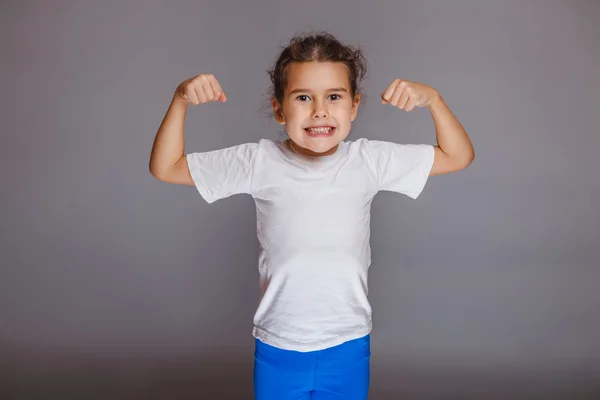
298	114
289	111
344	112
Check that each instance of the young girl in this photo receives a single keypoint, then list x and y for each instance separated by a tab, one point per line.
313	193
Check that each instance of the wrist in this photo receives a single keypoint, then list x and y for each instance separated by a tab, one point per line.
436	102
436	99
179	100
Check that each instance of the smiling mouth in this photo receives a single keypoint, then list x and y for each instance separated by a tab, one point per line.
320	131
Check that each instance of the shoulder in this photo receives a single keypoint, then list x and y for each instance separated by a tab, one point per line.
357	146
252	149
363	147
268	144
382	155
383	146
364	144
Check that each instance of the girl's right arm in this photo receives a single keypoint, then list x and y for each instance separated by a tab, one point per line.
168	162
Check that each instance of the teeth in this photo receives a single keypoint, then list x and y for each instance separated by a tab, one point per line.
319	130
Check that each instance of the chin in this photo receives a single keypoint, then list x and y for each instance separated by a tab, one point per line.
317	144
322	147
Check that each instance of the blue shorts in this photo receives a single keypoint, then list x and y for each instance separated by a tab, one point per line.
339	372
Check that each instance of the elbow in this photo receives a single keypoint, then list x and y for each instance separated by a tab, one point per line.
155	175
161	176
156	172
465	161
468	155
469	159
152	168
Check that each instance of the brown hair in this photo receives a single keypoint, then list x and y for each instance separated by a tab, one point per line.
322	47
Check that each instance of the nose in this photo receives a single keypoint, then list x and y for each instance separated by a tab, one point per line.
319	110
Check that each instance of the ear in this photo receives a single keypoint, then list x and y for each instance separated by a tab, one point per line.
278	111
355	104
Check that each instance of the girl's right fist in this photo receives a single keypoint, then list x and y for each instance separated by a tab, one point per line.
203	88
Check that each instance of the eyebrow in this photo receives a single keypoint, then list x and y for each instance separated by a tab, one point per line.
338	89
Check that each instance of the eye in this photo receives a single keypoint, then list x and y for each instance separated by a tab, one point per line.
302	97
335	96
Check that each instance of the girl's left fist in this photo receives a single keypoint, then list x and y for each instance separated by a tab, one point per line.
407	95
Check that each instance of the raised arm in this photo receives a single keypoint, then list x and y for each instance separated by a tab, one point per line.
454	151
168	162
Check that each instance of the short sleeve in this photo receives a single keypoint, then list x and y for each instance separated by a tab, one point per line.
222	173
402	168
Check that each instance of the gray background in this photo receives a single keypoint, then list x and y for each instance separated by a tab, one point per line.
114	285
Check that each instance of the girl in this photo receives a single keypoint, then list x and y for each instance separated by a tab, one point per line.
313	193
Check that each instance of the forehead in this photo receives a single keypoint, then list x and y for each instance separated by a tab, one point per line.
316	75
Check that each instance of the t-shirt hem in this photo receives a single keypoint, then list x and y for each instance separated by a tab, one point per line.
198	182
424	174
292	345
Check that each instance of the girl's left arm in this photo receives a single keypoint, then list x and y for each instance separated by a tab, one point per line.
454	151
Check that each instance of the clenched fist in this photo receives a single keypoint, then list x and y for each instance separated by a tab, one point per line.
408	95
203	88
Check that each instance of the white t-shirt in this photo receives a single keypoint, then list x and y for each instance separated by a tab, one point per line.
313	226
